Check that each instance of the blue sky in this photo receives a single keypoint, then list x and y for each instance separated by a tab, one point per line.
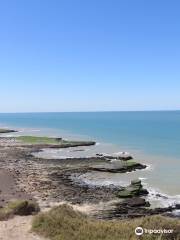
76	55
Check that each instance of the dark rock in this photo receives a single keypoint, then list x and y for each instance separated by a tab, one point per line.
124	156
161	196
134	189
122	210
7	131
144	191
177	206
136	182
23	208
136	202
118	167
59	139
126	209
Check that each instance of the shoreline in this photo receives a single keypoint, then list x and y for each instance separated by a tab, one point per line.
143	157
50	181
141	174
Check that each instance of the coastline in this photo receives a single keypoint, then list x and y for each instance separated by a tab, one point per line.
55	188
161	196
44	175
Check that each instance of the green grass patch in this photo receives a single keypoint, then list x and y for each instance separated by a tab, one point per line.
38	140
63	223
52	141
129	163
19	207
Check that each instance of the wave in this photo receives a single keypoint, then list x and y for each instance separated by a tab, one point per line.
164	200
155	196
97	144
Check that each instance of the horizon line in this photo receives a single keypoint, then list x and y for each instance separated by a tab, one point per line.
94	111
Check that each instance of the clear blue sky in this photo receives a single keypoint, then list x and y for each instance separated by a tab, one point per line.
83	55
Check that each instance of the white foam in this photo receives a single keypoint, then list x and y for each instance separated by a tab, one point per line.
176	213
141	178
164	200
148	168
94	181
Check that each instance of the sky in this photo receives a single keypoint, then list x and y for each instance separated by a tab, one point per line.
89	55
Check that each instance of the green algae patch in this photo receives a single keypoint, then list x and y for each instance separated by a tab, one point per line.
126	193
129	163
134	189
52	142
38	140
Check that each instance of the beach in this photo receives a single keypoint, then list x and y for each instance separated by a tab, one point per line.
72	178
52	168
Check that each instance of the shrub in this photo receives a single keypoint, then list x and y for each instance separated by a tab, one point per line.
63	223
19	207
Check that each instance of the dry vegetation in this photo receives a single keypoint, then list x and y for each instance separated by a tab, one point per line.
63	223
19	207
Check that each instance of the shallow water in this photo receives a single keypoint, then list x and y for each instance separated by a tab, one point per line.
153	177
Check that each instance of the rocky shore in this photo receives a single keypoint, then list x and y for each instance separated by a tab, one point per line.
4	130
53	181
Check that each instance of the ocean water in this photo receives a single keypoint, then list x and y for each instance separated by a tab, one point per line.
151	137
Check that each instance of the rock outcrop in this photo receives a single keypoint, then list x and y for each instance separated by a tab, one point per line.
118	167
4	130
134	189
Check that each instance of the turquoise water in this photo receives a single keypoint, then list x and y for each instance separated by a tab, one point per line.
151	132
154	138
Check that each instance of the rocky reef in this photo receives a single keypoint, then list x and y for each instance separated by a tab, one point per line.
134	189
52	180
4	130
51	142
118	166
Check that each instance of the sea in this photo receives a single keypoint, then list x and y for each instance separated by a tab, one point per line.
151	137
